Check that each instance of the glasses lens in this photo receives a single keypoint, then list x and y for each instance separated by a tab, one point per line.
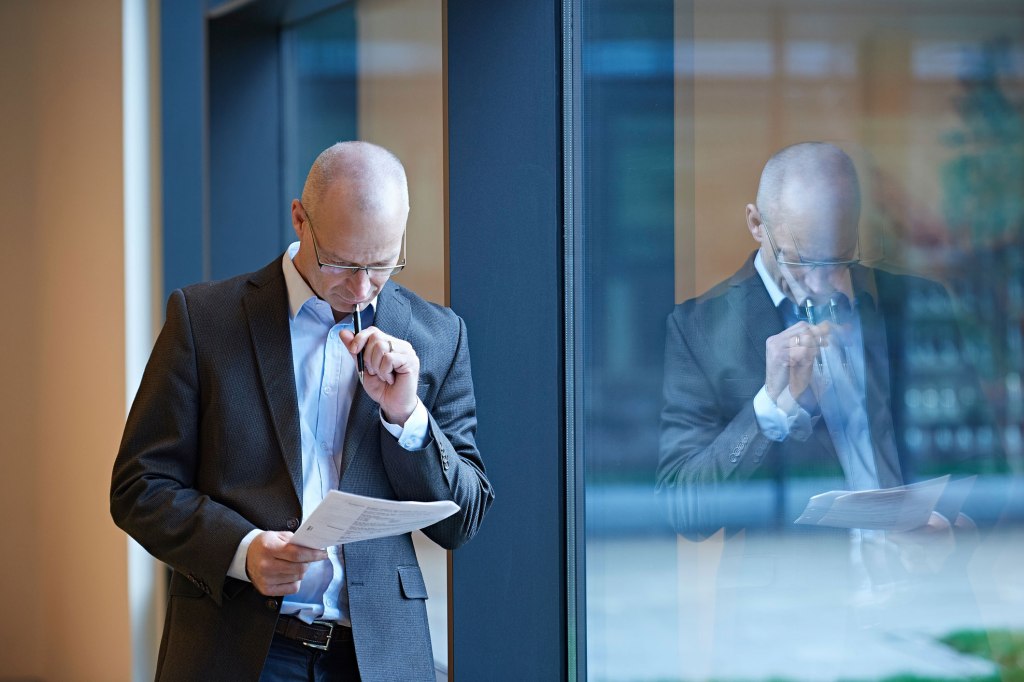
797	263
375	273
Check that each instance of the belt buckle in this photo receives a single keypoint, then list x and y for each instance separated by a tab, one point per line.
330	633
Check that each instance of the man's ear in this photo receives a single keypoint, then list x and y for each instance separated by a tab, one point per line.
298	216
754	223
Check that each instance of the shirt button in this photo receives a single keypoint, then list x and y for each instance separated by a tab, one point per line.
323	446
272	604
292	524
327	390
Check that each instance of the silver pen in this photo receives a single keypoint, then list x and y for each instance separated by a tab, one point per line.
809	311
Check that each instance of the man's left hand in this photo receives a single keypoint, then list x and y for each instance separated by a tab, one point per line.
925	549
391	371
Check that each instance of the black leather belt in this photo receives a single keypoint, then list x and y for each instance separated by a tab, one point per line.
316	635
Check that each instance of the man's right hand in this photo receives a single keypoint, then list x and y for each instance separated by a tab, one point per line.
276	567
790	357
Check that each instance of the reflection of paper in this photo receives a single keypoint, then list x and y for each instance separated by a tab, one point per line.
901	508
343	517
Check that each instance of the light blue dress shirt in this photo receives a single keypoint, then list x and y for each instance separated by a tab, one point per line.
325	384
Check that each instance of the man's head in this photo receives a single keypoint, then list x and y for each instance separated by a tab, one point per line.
353	212
807	211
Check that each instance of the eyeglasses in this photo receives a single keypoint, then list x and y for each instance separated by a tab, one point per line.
377	273
810	265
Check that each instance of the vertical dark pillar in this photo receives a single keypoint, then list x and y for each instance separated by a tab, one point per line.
183	140
505	202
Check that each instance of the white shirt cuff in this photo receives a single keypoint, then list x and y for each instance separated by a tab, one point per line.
784	419
413	434
237	567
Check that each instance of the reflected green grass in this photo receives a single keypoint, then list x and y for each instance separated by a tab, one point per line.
1003	647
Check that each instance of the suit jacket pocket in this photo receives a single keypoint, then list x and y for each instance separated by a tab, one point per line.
181	586
413	585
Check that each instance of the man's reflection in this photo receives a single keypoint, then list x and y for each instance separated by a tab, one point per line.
784	369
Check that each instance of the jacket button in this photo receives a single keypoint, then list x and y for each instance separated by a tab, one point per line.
272	604
292	524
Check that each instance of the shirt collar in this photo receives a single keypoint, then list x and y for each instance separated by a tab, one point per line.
773	289
299	292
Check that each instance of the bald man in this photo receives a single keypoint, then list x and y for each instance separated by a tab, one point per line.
252	408
792	366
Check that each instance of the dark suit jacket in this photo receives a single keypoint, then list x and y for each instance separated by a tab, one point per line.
715	365
211	451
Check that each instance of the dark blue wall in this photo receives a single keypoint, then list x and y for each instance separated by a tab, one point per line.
246	207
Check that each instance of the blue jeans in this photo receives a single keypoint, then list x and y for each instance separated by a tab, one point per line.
290	661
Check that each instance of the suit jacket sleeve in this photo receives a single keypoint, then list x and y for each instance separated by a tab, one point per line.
709	433
449	467
154	495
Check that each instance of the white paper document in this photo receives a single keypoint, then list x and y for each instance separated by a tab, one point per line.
344	517
901	508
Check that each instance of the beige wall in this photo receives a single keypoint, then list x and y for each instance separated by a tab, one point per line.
62	395
401	106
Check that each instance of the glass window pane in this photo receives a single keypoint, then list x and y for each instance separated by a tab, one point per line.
802	322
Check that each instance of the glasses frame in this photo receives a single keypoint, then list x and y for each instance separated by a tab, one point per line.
374	272
809	265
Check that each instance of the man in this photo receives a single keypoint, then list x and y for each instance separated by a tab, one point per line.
251	409
755	389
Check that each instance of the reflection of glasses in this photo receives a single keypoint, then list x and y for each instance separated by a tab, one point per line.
810	265
376	273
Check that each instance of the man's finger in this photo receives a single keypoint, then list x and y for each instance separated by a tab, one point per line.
279	589
271	565
357	342
299	554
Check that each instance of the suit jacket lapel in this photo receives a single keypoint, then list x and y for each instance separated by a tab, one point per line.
392	316
753	307
266	306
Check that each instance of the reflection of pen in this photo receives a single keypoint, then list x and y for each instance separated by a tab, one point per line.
809	311
357	326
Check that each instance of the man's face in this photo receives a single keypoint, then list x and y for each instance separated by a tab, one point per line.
809	256
345	236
